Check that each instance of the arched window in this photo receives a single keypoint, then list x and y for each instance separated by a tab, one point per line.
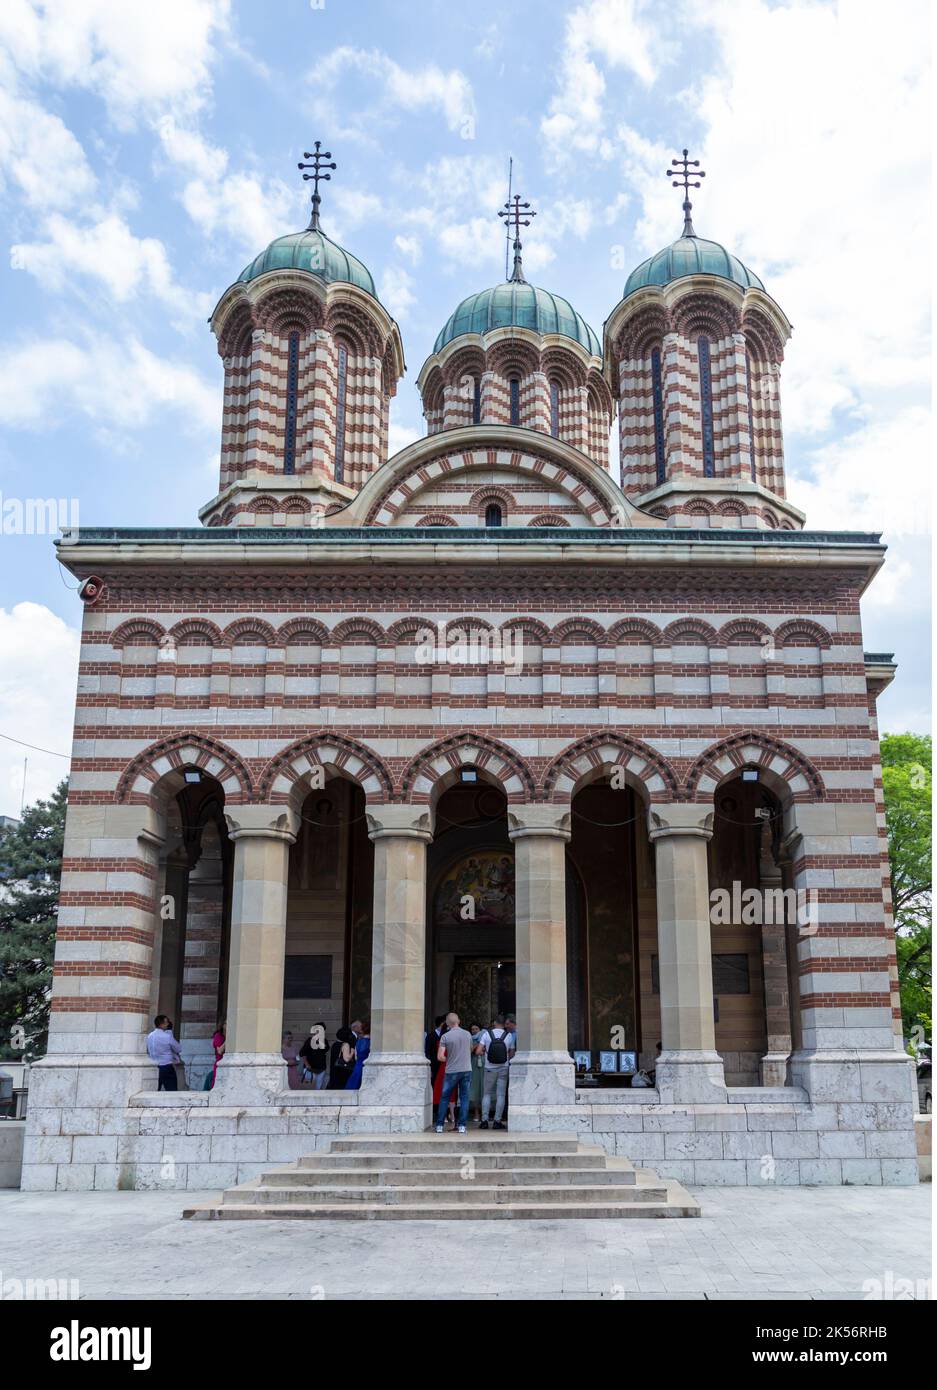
292	393
555	409
706	408
658	390
493	515
751	412
515	401
340	414
477	402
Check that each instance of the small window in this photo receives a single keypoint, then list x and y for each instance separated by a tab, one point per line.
658	393
292	403
555	409
706	406
477	402
340	415
493	514
515	401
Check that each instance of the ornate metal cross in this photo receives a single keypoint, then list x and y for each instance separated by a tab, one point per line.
318	157
680	174
519	213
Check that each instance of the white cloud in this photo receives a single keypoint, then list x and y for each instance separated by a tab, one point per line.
616	33
241	206
115	384
411	247
427	88
38	675
396	291
33	141
108	252
140	59
399	436
876	478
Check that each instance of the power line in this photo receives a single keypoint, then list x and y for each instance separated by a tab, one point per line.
35	747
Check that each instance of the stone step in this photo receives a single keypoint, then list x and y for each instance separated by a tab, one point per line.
678	1204
433	1161
446	1177
499	1142
526	1176
469	1194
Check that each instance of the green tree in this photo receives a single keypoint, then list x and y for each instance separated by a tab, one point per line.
906	776
30	872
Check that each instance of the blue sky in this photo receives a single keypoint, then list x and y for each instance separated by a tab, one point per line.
147	152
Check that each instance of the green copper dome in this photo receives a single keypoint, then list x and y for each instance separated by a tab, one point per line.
515	304
312	251
690	255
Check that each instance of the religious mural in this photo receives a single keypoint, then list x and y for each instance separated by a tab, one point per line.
485	877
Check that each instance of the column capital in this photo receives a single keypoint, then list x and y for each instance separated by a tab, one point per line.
543	819
400	821
263	822
666	819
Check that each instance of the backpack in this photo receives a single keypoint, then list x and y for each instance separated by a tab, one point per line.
497	1051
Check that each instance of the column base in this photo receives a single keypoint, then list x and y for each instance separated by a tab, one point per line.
542	1078
852	1074
249	1078
398	1082
691	1078
773	1068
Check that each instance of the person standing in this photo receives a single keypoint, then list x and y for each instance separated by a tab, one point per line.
431	1047
342	1059
162	1048
478	1074
314	1057
362	1050
455	1049
497	1045
291	1057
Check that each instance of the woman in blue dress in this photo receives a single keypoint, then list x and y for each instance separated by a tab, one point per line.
362	1048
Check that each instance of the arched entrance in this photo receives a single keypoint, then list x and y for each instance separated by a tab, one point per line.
191	949
329	912
470	904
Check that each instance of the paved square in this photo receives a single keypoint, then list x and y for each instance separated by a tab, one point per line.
749	1243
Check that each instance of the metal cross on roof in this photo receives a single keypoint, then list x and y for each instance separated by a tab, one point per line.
680	173
520	214
318	157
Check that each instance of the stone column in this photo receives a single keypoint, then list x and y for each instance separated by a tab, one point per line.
689	1068
774	1063
396	1074
253	1071
542	1072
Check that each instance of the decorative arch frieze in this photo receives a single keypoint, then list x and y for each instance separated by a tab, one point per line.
139	782
597	754
787	767
286	777
439	766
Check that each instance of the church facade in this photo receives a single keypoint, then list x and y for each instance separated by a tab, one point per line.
478	726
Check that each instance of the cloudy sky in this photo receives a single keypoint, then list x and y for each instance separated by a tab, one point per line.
148	151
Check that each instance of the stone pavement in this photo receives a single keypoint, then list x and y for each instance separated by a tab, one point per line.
749	1243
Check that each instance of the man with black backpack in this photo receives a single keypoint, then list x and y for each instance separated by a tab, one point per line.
496	1043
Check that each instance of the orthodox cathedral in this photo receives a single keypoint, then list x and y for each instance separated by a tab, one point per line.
481	727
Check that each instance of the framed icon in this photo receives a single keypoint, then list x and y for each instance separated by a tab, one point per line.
608	1061
583	1061
628	1063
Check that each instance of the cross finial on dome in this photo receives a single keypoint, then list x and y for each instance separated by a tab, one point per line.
518	213
318	157
681	169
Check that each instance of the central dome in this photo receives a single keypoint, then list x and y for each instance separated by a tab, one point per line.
515	304
690	255
312	251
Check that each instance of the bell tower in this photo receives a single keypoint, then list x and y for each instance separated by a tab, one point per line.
311	361
693	352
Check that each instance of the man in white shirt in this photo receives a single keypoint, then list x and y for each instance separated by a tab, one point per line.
498	1046
163	1049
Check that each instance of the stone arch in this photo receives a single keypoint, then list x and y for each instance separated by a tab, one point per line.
139	780
563	367
139	632
744	631
197	628
761	337
513	357
792	774
301	627
533	627
236	337
438	767
492	492
284	311
547	519
729	508
352	629
643	332
699	507
707	314
406	627
803	627
637	630
573	626
436	519
354	329
592	757
466	361
284	779
249	630
693	628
